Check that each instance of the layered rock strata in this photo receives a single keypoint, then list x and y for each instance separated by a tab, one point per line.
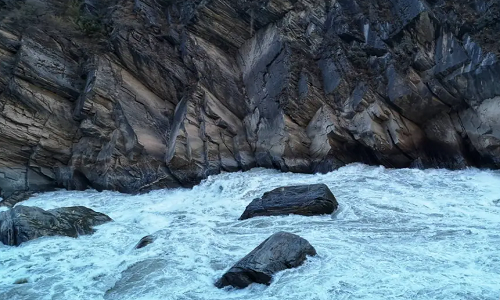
152	94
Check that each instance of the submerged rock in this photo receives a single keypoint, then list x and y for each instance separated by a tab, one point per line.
148	239
306	200
280	251
138	280
21	281
24	223
15	198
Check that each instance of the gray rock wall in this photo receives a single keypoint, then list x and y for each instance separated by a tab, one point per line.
179	90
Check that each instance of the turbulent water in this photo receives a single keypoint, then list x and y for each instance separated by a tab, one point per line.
399	234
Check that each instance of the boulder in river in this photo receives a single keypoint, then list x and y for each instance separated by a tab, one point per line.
148	239
25	223
280	251
306	200
15	198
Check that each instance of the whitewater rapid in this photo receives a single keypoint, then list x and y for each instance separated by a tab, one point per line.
399	234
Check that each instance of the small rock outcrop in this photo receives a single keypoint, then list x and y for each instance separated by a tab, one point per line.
24	223
306	200
15	198
148	239
280	251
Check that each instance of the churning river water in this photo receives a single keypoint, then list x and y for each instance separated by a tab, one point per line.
399	234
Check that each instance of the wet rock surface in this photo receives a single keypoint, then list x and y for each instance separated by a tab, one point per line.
306	200
138	274
148	239
24	223
279	252
16	197
157	94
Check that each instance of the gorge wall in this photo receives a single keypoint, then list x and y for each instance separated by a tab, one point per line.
133	95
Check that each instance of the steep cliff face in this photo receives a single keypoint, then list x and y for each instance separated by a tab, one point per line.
165	93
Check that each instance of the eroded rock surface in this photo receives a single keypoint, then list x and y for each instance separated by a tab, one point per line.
25	223
279	252
306	200
16	197
149	94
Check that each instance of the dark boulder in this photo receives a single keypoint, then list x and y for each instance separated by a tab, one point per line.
280	251
148	239
306	200
24	223
15	198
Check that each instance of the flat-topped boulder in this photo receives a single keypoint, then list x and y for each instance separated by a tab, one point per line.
25	223
280	251
306	200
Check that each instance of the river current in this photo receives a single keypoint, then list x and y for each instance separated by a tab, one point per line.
399	234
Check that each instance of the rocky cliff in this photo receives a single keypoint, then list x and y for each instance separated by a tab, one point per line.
132	95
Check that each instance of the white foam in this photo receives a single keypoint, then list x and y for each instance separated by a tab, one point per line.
400	234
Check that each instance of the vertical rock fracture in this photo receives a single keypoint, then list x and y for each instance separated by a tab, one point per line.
144	94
